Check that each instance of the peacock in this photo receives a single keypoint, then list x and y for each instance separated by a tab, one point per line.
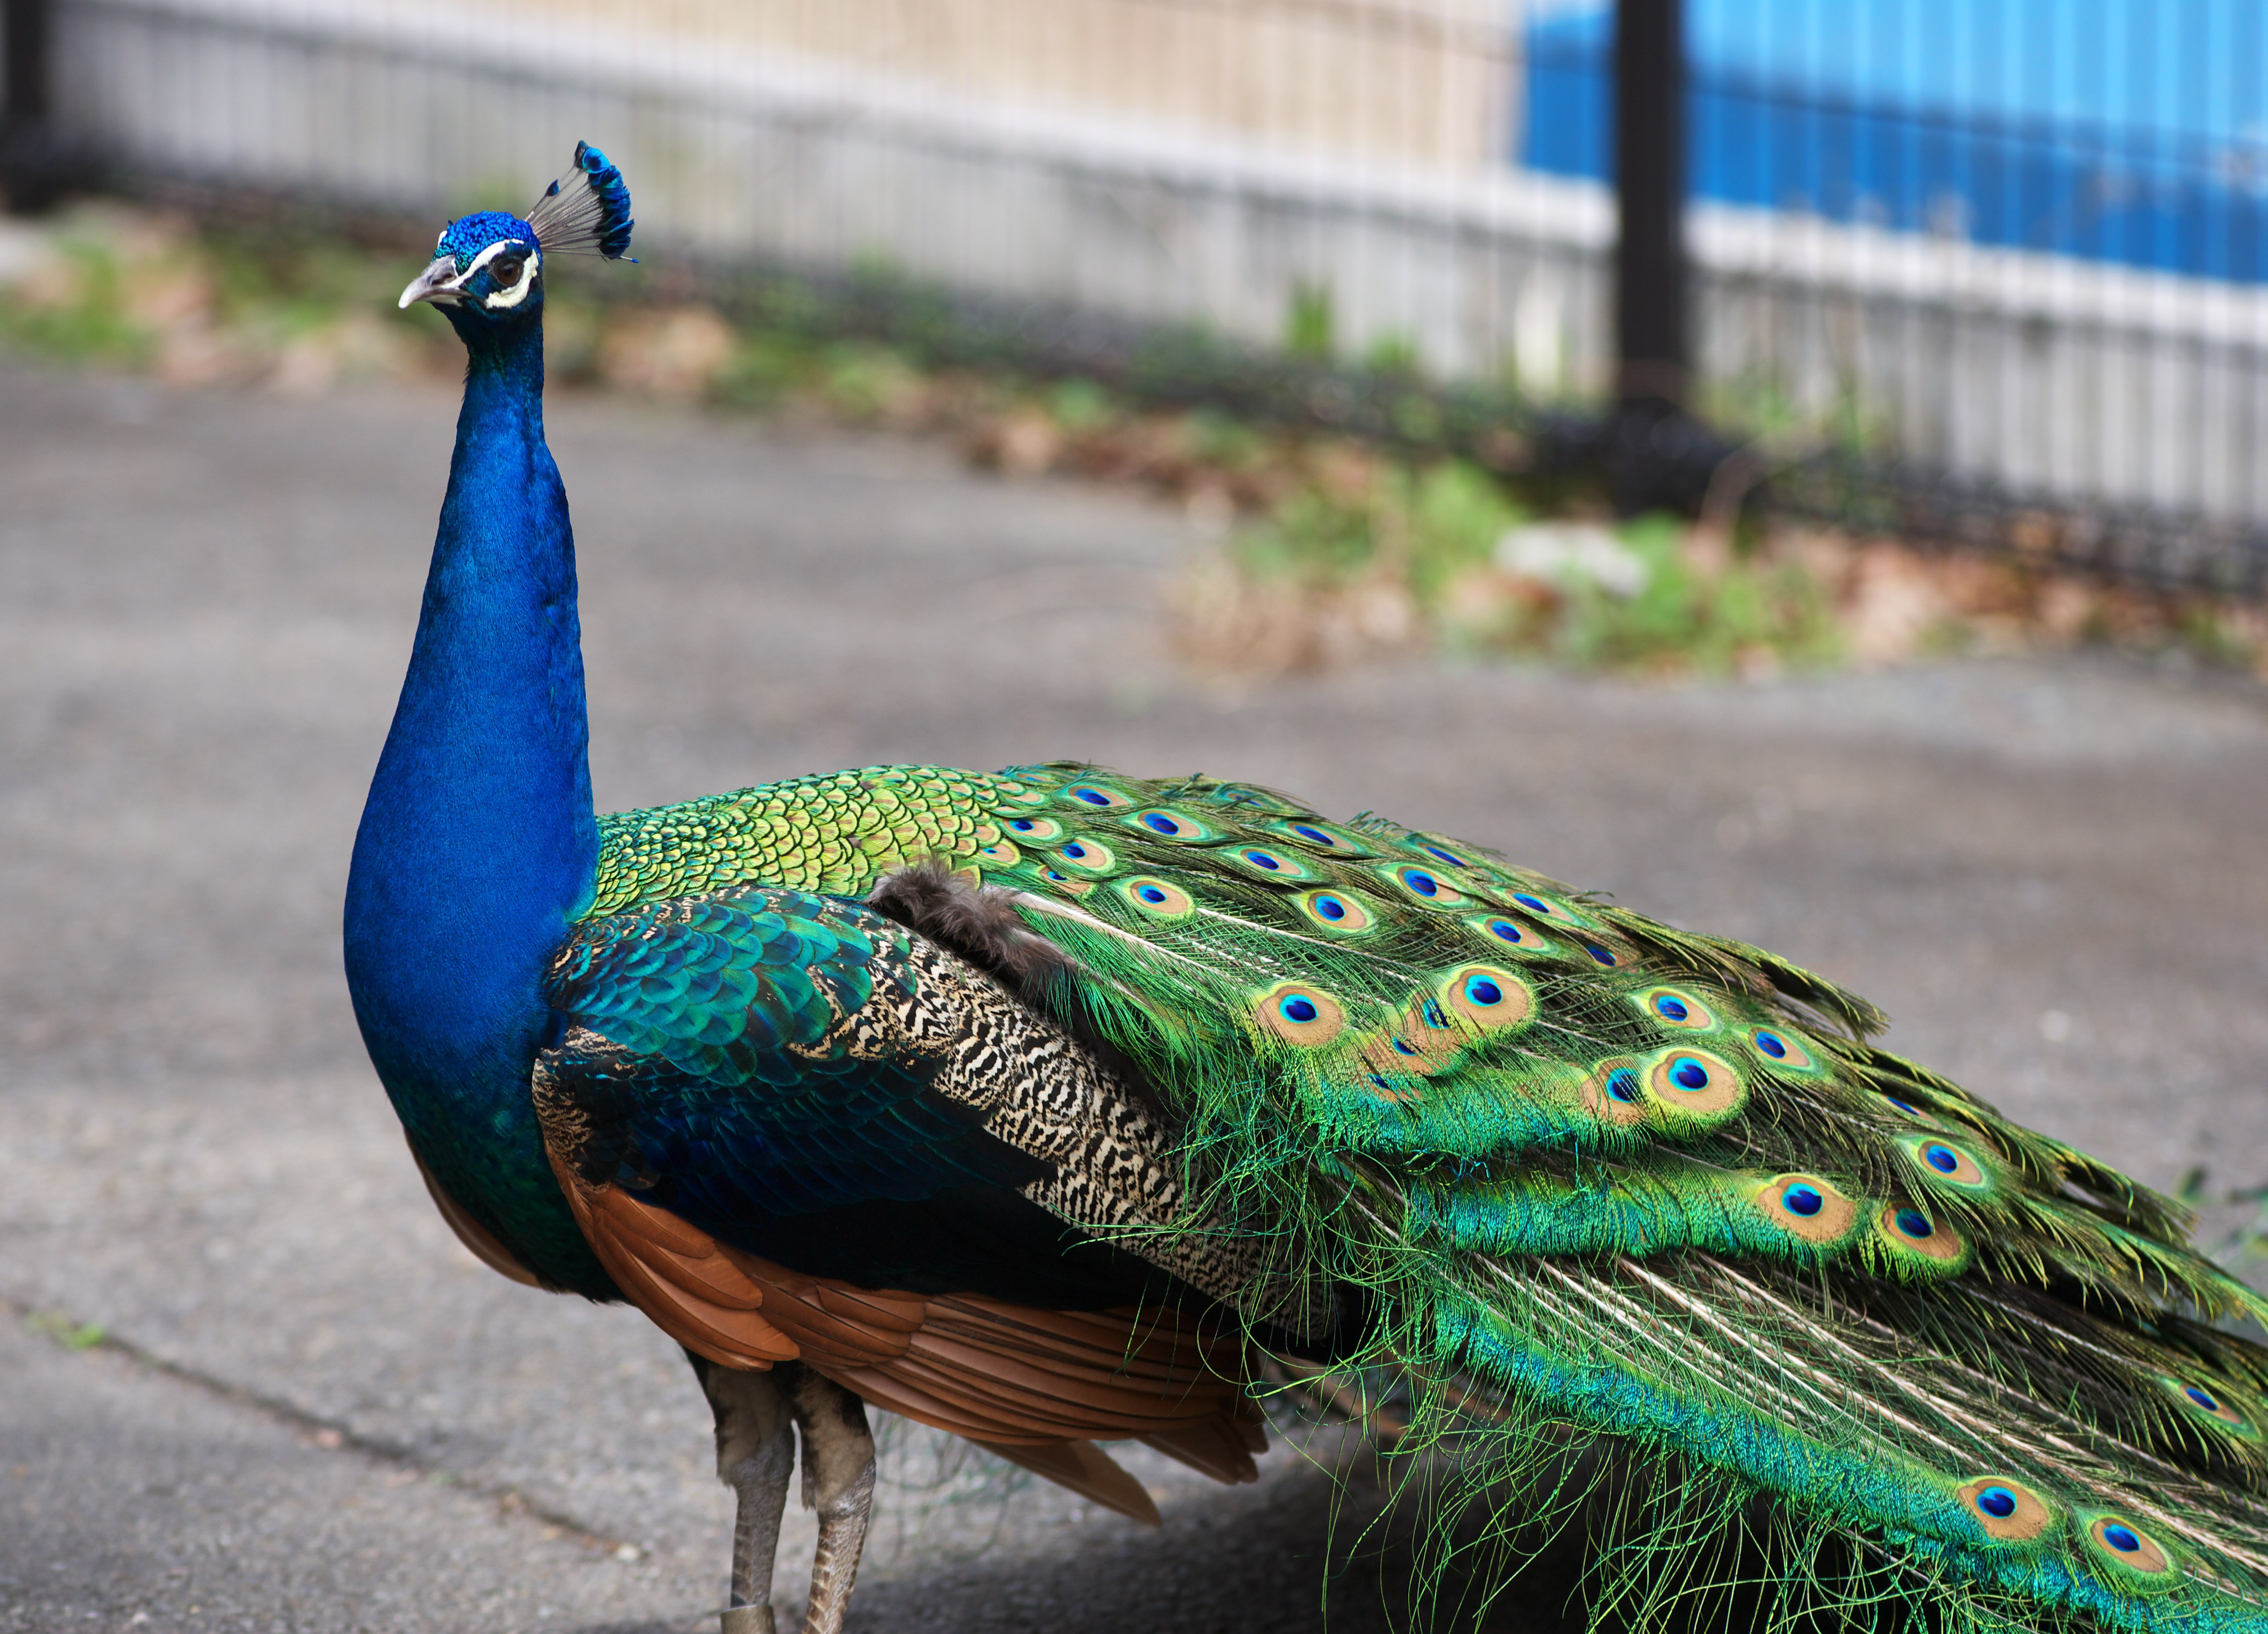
1051	1107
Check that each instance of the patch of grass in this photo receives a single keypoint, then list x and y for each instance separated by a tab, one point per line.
71	1335
1310	327
1431	536
1742	613
80	312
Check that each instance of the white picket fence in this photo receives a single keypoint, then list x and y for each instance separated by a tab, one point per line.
2066	381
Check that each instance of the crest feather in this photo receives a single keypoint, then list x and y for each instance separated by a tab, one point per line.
586	212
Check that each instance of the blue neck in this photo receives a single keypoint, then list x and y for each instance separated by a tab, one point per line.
478	845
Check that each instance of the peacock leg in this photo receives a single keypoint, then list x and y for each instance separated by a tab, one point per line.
755	1455
838	1481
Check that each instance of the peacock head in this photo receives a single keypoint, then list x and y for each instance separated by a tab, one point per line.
487	273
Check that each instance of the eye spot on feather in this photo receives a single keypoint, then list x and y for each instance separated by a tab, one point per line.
1159	898
1502	934
1948	1165
1307	833
1425	888
2127	1546
1299	1013
1172	825
1612	1091
1439	853
1807	1208
1385	1089
1410	1050
1781	1048
2197	1399
1035	828
1000	854
1338	912
1693	1085
1100	795
1600	954
1267	863
1087	856
1065	883
1670	1006
1486	995
2008	1511
1907	1230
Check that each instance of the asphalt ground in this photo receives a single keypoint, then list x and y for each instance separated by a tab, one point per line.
308	1410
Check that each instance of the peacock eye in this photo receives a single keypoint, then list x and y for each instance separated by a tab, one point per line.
506	269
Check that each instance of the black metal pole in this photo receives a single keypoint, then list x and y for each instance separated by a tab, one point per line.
34	166
1655	453
24	35
1652	361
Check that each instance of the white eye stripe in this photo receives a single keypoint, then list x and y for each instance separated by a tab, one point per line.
517	293
490	254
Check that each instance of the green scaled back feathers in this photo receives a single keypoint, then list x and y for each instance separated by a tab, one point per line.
1602	1177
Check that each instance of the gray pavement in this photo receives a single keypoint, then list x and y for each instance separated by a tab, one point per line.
313	1411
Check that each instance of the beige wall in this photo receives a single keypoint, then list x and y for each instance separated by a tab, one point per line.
1390	80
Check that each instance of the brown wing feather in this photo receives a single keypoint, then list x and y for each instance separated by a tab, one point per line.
679	1277
1001	1374
478	1239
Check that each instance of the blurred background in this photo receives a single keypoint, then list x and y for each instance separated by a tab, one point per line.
1973	272
1795	464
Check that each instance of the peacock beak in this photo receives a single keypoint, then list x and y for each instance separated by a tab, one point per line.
437	284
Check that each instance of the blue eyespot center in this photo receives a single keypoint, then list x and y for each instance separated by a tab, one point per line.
1772	1045
1402	1049
2202	1398
1262	859
1298	1007
1330	907
1915	1224
1092	797
1022	825
2122	1539
1621	1084
1450	857
1673	1008
1598	953
1901	1104
1534	902
1151	894
1482	991
1687	1073
1316	834
1804	1200
1161	823
1074	850
1418	880
1503	930
1998	1502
